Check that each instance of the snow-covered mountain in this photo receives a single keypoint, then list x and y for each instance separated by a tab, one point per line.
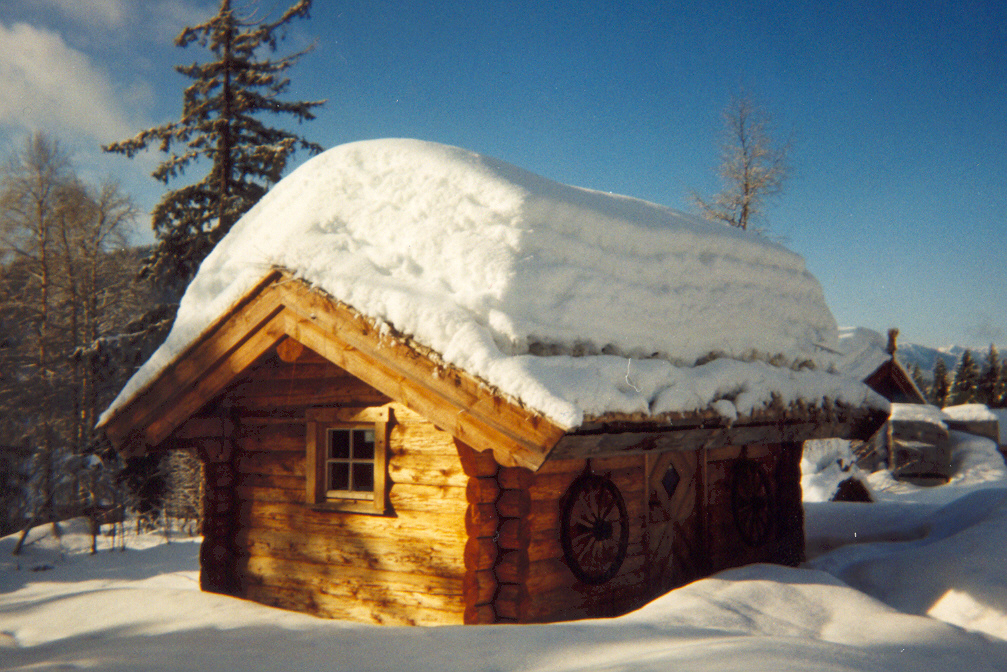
868	346
926	357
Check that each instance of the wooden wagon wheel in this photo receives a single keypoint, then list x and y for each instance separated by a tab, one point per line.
752	502
594	529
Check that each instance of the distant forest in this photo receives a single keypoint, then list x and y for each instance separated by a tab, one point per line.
969	381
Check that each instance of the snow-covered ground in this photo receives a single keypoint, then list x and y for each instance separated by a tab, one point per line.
915	581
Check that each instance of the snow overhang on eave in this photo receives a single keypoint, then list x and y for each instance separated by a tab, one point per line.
281	307
613	436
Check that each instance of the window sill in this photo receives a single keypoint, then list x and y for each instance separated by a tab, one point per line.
365	506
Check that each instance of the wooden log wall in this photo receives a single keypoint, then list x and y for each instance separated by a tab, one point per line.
551	592
405	567
534	583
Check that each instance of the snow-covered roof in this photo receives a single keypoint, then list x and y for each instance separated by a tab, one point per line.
574	302
926	413
861	351
970	413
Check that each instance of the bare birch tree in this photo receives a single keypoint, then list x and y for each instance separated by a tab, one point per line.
753	166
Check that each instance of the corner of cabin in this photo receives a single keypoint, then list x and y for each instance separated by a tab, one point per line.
398	557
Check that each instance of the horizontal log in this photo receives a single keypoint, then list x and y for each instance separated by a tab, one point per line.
358	583
481	614
286	436
423	438
548	575
271	481
513	504
328	606
278	516
417	498
512	567
480	554
482	490
629	479
479	587
514	534
432	555
427	470
275	463
481	520
274	495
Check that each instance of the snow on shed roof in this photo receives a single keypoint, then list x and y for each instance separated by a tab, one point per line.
494	267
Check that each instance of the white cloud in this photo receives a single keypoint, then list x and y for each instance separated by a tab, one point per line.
50	86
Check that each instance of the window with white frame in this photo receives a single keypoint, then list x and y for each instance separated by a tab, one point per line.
346	458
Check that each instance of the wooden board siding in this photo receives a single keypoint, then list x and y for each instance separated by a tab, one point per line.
725	546
704	537
405	567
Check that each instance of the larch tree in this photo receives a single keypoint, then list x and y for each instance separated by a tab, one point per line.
220	125
63	284
753	166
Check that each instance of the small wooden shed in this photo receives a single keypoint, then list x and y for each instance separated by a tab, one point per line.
351	475
353	471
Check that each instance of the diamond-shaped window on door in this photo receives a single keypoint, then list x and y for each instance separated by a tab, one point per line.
670	480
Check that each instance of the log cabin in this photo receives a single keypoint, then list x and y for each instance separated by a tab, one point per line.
416	401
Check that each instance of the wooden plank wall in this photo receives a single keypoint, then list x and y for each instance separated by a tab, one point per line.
725	547
546	590
403	568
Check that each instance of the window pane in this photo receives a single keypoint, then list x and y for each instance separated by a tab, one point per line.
339	476
363	477
363	444
339	443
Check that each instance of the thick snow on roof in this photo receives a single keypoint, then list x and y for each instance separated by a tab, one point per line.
925	413
970	413
861	351
494	267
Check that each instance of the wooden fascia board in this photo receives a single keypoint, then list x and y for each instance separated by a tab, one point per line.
180	398
451	399
218	348
688	438
280	306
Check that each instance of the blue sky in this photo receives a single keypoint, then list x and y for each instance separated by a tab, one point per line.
897	114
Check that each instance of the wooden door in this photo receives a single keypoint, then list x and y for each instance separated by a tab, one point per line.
673	534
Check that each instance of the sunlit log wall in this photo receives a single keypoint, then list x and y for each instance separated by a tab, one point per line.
463	540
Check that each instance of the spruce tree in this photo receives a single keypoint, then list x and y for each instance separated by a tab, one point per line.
918	379
965	387
219	125
941	388
989	380
1002	399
